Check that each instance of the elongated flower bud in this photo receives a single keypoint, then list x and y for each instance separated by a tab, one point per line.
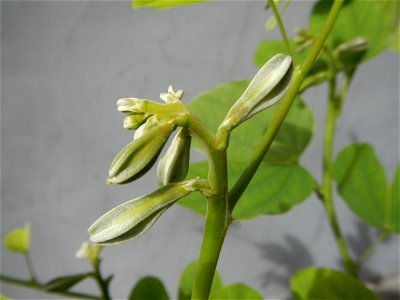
267	87
138	156
133	218
173	167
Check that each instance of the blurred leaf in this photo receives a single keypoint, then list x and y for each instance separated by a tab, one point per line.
4	298
361	181
357	18
236	291
161	4
18	240
273	190
187	279
64	283
319	283
149	288
395	201
294	135
267	49
392	11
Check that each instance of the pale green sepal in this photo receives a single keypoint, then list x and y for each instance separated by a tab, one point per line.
18	240
139	155
174	165
133	218
267	87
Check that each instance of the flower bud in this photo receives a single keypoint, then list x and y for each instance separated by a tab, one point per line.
133	218
351	53
267	87
89	251
134	121
174	166
129	105
136	158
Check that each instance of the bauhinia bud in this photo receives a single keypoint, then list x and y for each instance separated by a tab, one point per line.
138	157
134	121
350	53
267	87
133	218
174	165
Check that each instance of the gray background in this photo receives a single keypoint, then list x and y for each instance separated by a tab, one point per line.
63	66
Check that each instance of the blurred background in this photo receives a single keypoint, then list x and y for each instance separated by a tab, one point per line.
63	66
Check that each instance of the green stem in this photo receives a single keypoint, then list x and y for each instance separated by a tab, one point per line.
218	219
326	186
37	286
29	266
281	27
102	284
299	75
371	249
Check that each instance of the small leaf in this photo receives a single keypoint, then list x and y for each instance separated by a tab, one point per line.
319	283
133	218
64	283
187	279
236	291
357	18
274	189
161	4
149	288
18	240
361	181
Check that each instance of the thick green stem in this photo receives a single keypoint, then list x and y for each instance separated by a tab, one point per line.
37	286
299	75
218	219
326	187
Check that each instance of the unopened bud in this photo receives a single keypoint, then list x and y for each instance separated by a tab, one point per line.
173	167
134	121
267	87
133	218
136	158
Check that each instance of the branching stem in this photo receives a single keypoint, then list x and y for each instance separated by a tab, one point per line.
298	77
40	287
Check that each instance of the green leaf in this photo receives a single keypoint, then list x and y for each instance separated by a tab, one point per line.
4	298
64	283
358	18
294	135
236	291
319	283
187	279
361	181
18	240
273	190
395	201
267	49
149	288
161	4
